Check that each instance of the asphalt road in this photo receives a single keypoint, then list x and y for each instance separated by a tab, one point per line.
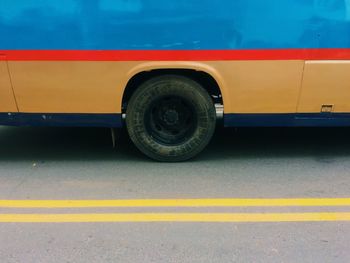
80	164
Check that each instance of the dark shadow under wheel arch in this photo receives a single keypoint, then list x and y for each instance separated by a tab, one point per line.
203	78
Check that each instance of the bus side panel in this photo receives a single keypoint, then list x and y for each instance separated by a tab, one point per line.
97	87
7	99
325	83
69	87
261	86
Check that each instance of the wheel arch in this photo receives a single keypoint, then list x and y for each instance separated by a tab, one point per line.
207	76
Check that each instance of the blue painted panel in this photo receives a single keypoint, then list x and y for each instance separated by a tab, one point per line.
61	120
288	120
230	120
173	25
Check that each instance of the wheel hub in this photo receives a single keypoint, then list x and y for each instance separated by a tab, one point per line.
171	117
171	120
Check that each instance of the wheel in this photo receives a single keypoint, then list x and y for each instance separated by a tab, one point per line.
170	118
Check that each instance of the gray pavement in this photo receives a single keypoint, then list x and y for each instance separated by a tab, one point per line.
67	163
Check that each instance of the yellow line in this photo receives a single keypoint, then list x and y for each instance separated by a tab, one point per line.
174	217
175	203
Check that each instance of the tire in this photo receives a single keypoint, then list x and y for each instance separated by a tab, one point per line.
170	118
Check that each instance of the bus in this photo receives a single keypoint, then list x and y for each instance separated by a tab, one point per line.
168	70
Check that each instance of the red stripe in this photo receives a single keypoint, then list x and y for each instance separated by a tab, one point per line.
175	55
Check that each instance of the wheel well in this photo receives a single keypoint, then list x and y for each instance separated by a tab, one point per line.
203	78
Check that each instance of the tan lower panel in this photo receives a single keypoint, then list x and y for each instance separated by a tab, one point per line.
97	87
7	101
262	86
67	87
325	83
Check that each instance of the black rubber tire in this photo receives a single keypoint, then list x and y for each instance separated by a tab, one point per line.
183	88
